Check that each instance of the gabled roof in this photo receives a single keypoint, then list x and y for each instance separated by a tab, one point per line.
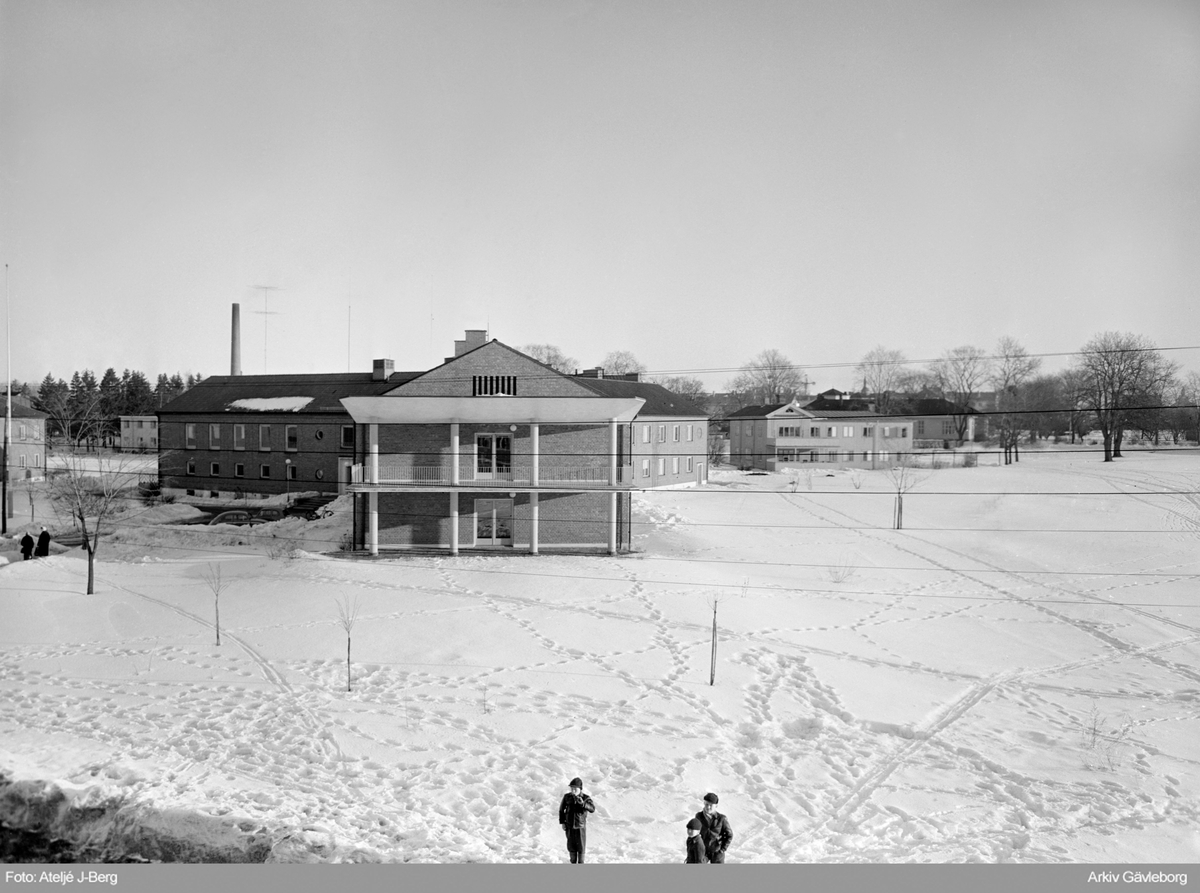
781	411
280	393
659	400
19	411
758	411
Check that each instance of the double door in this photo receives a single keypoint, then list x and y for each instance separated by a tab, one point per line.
493	522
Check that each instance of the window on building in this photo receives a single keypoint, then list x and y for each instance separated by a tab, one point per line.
814	431
264	437
847	431
239	437
492	385
141	423
689	464
189	435
292	472
646	468
214	437
22	434
191	466
264	471
831	431
868	430
904	432
919	428
214	470
292	437
37	460
239	470
124	423
675	433
690	432
23	459
674	465
662	466
645	433
662	433
348	436
948	429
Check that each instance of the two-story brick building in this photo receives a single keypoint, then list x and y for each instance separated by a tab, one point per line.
493	449
774	435
238	435
27	444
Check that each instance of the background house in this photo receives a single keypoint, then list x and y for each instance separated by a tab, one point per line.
139	433
774	435
27	444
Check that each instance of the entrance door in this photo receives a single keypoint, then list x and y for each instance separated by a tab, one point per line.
493	456
493	522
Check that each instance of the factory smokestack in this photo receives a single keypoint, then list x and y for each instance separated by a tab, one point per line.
235	342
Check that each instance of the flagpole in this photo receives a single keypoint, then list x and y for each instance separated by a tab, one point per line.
7	408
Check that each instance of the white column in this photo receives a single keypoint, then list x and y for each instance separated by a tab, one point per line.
533	451
533	522
373	511
612	453
373	523
612	523
454	454
454	514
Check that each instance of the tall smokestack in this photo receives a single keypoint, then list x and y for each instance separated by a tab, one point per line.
235	342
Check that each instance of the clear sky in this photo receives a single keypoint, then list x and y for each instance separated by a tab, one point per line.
691	181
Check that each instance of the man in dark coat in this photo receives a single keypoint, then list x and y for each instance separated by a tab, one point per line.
572	815
714	830
26	546
43	544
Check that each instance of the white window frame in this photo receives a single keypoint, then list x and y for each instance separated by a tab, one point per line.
645	433
674	465
675	433
239	469
347	442
264	434
214	469
646	466
239	437
662	466
689	465
291	435
189	435
662	433
264	471
190	467
214	436
690	433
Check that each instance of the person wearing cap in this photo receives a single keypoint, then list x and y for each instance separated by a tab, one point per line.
26	546
572	815
714	830
695	844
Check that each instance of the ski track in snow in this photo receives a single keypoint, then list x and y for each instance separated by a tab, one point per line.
465	761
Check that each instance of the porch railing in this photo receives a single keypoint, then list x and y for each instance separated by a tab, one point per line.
470	476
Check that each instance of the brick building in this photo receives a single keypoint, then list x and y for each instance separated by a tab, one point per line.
775	435
493	449
27	444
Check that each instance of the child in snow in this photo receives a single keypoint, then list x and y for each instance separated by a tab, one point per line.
695	846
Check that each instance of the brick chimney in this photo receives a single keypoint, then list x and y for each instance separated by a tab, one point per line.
474	338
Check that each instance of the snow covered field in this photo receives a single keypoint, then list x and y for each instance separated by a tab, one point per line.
1015	677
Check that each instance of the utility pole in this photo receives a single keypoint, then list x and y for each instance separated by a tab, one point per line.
266	290
4	513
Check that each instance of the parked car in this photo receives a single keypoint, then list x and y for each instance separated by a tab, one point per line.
270	515
235	517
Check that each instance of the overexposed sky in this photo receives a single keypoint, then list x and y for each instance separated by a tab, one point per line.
690	181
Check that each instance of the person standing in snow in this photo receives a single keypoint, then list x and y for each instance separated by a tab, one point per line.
695	844
572	815
43	544
26	546
714	830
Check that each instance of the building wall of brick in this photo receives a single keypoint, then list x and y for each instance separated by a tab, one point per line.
26	449
454	379
316	457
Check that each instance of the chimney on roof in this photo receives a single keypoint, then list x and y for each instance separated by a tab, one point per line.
382	369
235	342
474	338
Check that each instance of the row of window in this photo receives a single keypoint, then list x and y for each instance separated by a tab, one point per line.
491	385
292	473
846	431
291	437
662	466
141	423
689	431
948	429
22	460
784	454
32	433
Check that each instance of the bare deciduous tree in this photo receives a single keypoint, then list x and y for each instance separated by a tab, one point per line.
347	608
769	378
1011	369
684	385
1117	370
880	372
621	362
553	357
212	576
959	375
903	476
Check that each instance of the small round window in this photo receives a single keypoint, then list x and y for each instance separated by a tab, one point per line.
320	434
320	475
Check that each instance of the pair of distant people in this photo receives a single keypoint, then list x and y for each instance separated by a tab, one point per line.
709	833
39	550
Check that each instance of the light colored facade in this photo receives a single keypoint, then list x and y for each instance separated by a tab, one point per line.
773	436
139	433
27	445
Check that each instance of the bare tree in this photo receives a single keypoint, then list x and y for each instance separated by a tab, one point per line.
1011	370
880	372
212	576
903	476
553	357
621	362
717	446
769	378
959	375
1116	370
684	385
347	608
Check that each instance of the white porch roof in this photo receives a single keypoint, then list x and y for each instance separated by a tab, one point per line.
491	410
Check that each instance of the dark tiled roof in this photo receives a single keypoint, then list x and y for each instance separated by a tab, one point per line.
659	401
24	412
325	391
755	412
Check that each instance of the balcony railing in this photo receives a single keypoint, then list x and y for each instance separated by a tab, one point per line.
470	476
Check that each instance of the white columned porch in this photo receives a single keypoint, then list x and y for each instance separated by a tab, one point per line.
454	454
612	523
373	501
533	523
454	515
533	453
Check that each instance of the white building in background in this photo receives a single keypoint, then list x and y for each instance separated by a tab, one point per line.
139	433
